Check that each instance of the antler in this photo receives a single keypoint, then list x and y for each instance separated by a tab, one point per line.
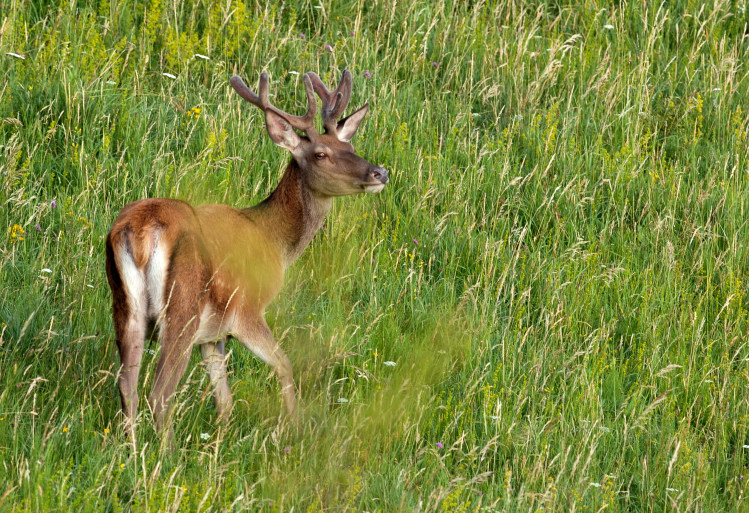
333	102
305	123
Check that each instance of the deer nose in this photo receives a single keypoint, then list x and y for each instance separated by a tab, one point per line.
380	174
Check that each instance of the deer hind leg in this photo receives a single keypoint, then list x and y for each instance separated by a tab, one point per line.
130	341
259	340
178	325
176	344
214	358
130	325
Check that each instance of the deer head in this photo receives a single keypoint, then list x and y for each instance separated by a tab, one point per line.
328	161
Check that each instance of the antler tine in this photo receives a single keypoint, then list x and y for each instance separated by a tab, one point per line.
333	102
309	118
245	92
305	123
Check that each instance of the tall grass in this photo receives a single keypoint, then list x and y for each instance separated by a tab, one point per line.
557	268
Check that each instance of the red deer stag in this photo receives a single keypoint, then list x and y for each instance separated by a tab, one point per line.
202	274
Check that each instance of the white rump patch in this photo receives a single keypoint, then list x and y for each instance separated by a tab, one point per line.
134	284
156	277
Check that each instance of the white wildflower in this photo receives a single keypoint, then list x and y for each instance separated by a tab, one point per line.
672	489
342	400
389	363
204	436
608	27
47	270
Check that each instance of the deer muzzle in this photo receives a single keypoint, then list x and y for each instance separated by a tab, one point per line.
376	178
380	174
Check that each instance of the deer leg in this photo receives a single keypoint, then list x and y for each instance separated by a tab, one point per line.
130	324
172	365
176	337
260	341
130	334
179	324
214	358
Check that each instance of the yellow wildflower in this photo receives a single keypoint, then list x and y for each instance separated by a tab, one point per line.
16	233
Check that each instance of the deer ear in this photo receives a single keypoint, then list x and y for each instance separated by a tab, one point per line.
282	133
347	126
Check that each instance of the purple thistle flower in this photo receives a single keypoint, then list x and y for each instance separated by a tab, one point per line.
287	449
439	445
302	36
54	204
38	228
367	74
435	64
328	47
416	242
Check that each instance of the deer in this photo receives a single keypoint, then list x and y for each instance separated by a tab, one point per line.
198	275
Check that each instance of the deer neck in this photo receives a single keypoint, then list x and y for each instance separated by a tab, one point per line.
292	214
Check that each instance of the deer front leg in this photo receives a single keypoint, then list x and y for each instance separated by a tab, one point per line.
258	338
214	359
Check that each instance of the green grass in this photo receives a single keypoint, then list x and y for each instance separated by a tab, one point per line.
557	267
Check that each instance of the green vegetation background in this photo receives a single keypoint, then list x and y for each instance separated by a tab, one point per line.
557	268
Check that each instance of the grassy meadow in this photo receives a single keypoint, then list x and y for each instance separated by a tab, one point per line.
543	311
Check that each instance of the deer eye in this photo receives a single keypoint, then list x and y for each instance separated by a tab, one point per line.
320	156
